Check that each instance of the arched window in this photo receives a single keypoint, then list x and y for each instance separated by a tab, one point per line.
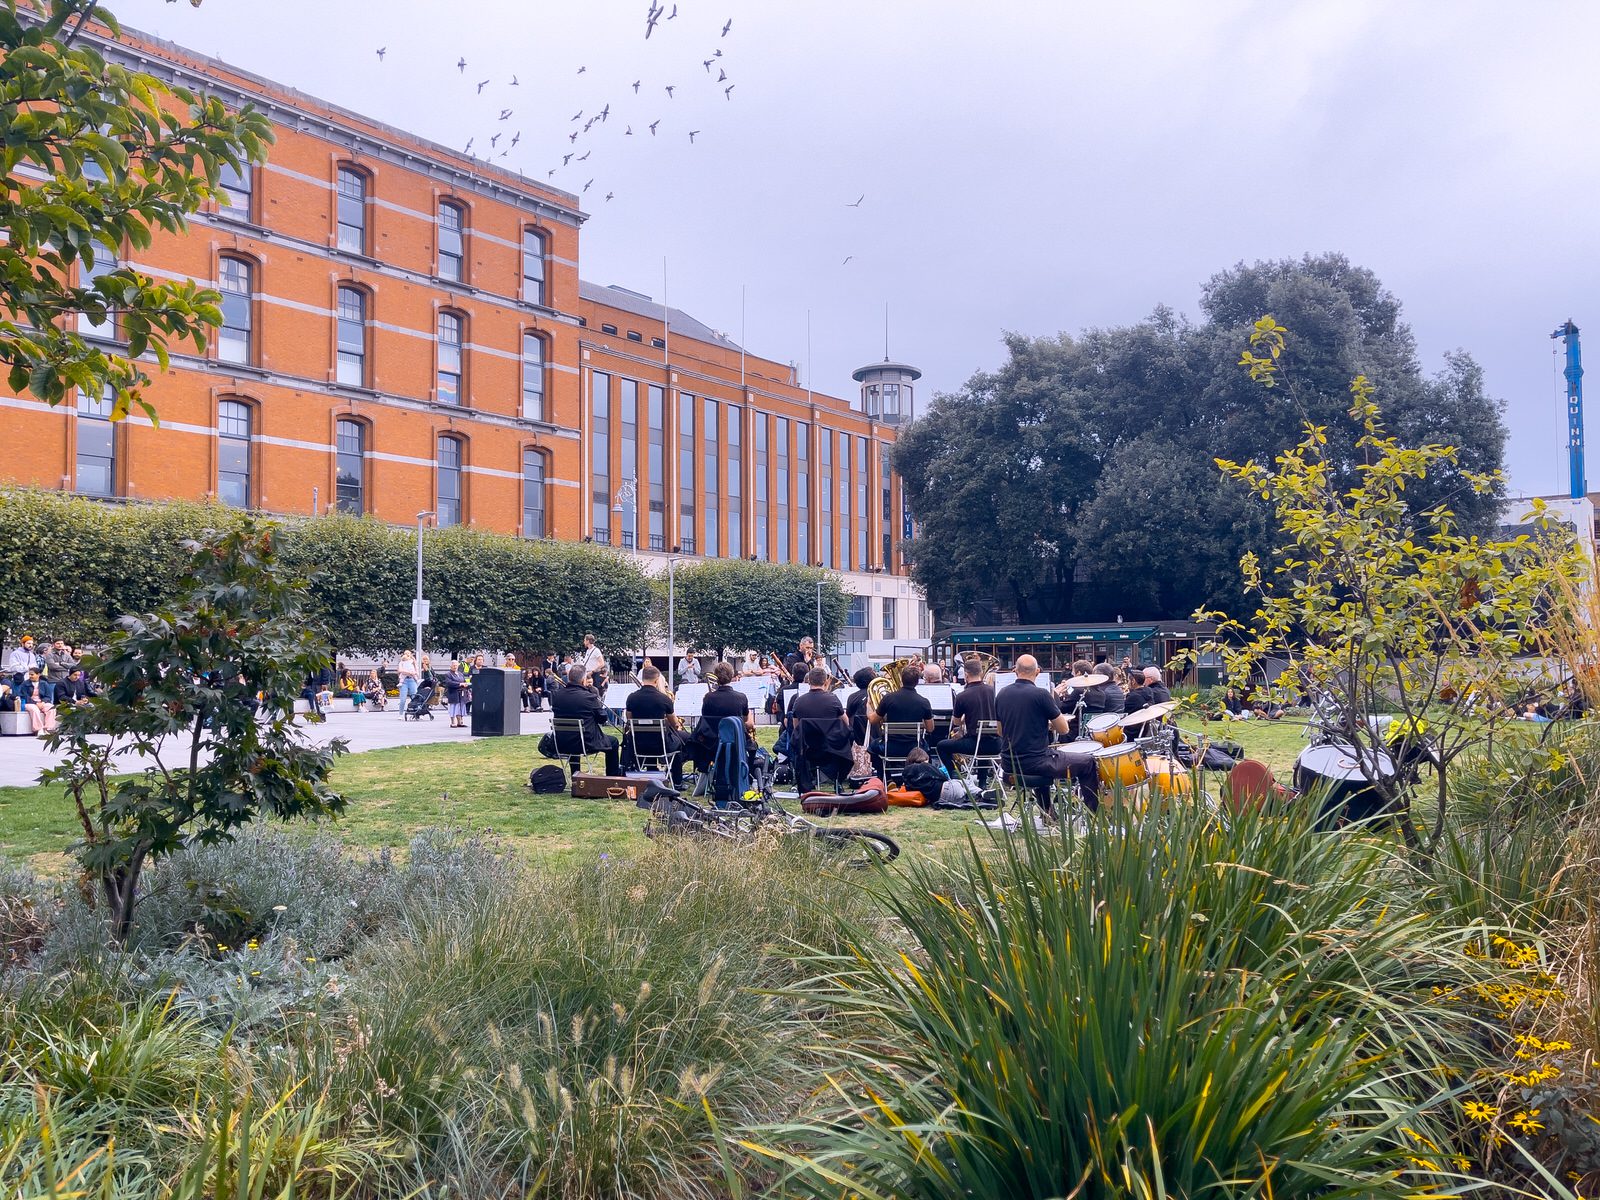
533	493
533	266
97	444
450	338
533	377
352	365
236	281
350	466
235	429
104	263
447	505
351	189
452	221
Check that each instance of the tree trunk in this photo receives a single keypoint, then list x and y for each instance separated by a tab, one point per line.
121	885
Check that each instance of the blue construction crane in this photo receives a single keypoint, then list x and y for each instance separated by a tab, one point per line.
1574	373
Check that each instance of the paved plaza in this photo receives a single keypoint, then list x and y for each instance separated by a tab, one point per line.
22	758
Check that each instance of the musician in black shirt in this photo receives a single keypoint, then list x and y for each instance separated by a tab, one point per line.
651	703
856	709
974	703
580	701
903	706
723	700
1028	715
1151	691
821	732
799	664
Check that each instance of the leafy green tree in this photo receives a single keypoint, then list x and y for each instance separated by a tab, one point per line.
180	687
736	604
95	157
1390	610
1075	481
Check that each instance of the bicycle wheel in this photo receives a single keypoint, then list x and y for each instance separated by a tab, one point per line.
855	847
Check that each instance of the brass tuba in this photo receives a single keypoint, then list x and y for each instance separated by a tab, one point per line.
887	680
988	664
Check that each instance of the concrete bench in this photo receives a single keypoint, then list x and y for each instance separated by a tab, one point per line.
15	724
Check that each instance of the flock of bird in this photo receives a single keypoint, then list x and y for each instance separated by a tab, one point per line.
591	118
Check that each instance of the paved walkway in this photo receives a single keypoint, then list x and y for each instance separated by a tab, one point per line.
22	758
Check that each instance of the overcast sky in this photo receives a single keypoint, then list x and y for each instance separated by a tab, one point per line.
1038	166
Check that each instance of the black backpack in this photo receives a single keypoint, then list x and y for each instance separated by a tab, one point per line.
545	780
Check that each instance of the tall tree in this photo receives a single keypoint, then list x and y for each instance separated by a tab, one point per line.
736	604
96	156
1076	481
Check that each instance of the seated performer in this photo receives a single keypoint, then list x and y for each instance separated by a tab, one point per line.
903	706
580	701
857	710
821	733
1150	691
1028	715
974	703
723	700
650	702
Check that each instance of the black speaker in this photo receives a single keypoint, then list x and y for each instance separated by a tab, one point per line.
496	703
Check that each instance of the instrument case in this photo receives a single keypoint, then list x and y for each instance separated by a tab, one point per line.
607	787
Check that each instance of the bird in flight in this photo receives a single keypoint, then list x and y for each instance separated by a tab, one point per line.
650	19
516	137
716	54
585	155
628	132
581	70
514	82
588	185
707	64
577	114
609	195
653	125
573	136
494	140
468	150
727	92
461	65
859	199
589	124
727	27
636	84
505	114
565	159
673	15
692	132
482	83
605	113
847	260
551	173
669	91
382	50
722	74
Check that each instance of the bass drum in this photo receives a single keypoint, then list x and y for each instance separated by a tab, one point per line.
1169	778
1106	729
1331	774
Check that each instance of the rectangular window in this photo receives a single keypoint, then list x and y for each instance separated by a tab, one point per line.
450	333
600	456
802	492
233	453
889	603
856	618
449	506
628	468
532	494
762	547
656	467
236	184
350	467
352	211
781	487
844	501
233	340
886	481
825	541
104	264
451	261
735	482
708	460
533	377
97	444
685	480
533	266
863	513
352	364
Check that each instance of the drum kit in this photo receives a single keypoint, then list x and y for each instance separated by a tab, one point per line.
1125	755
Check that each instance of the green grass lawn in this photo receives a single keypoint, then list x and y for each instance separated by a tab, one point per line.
482	786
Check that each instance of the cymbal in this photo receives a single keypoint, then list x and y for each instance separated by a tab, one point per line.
1086	681
1153	712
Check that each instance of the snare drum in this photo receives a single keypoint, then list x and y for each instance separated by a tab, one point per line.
1106	729
1168	778
1121	766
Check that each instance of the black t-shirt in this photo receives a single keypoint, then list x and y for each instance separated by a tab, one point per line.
1140	697
1107	697
817	715
1025	711
974	703
648	704
856	710
905	706
719	702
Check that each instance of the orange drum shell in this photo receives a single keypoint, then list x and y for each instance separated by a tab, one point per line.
1169	778
1125	770
1110	736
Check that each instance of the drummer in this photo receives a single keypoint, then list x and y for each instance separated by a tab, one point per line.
1028	715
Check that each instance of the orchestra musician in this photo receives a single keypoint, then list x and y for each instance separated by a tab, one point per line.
1028	715
1150	691
974	703
821	733
903	706
799	664
581	701
651	701
857	709
723	700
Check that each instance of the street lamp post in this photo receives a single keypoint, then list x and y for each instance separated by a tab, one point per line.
672	627
419	610
820	650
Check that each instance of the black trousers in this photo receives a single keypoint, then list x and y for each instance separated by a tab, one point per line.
1058	764
607	745
674	746
806	767
968	745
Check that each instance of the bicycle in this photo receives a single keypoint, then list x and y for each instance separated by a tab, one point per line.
672	814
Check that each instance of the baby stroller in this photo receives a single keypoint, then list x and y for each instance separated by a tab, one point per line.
421	704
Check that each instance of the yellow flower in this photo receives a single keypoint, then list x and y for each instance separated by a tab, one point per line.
1477	1110
1558	1045
1524	1122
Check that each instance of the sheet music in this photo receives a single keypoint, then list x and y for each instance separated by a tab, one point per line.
941	695
1007	678
617	695
689	699
757	689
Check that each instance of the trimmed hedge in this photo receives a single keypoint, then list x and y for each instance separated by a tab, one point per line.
70	566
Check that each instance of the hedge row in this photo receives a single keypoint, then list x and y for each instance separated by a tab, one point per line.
70	566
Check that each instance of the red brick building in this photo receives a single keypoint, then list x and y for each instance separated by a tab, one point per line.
405	329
